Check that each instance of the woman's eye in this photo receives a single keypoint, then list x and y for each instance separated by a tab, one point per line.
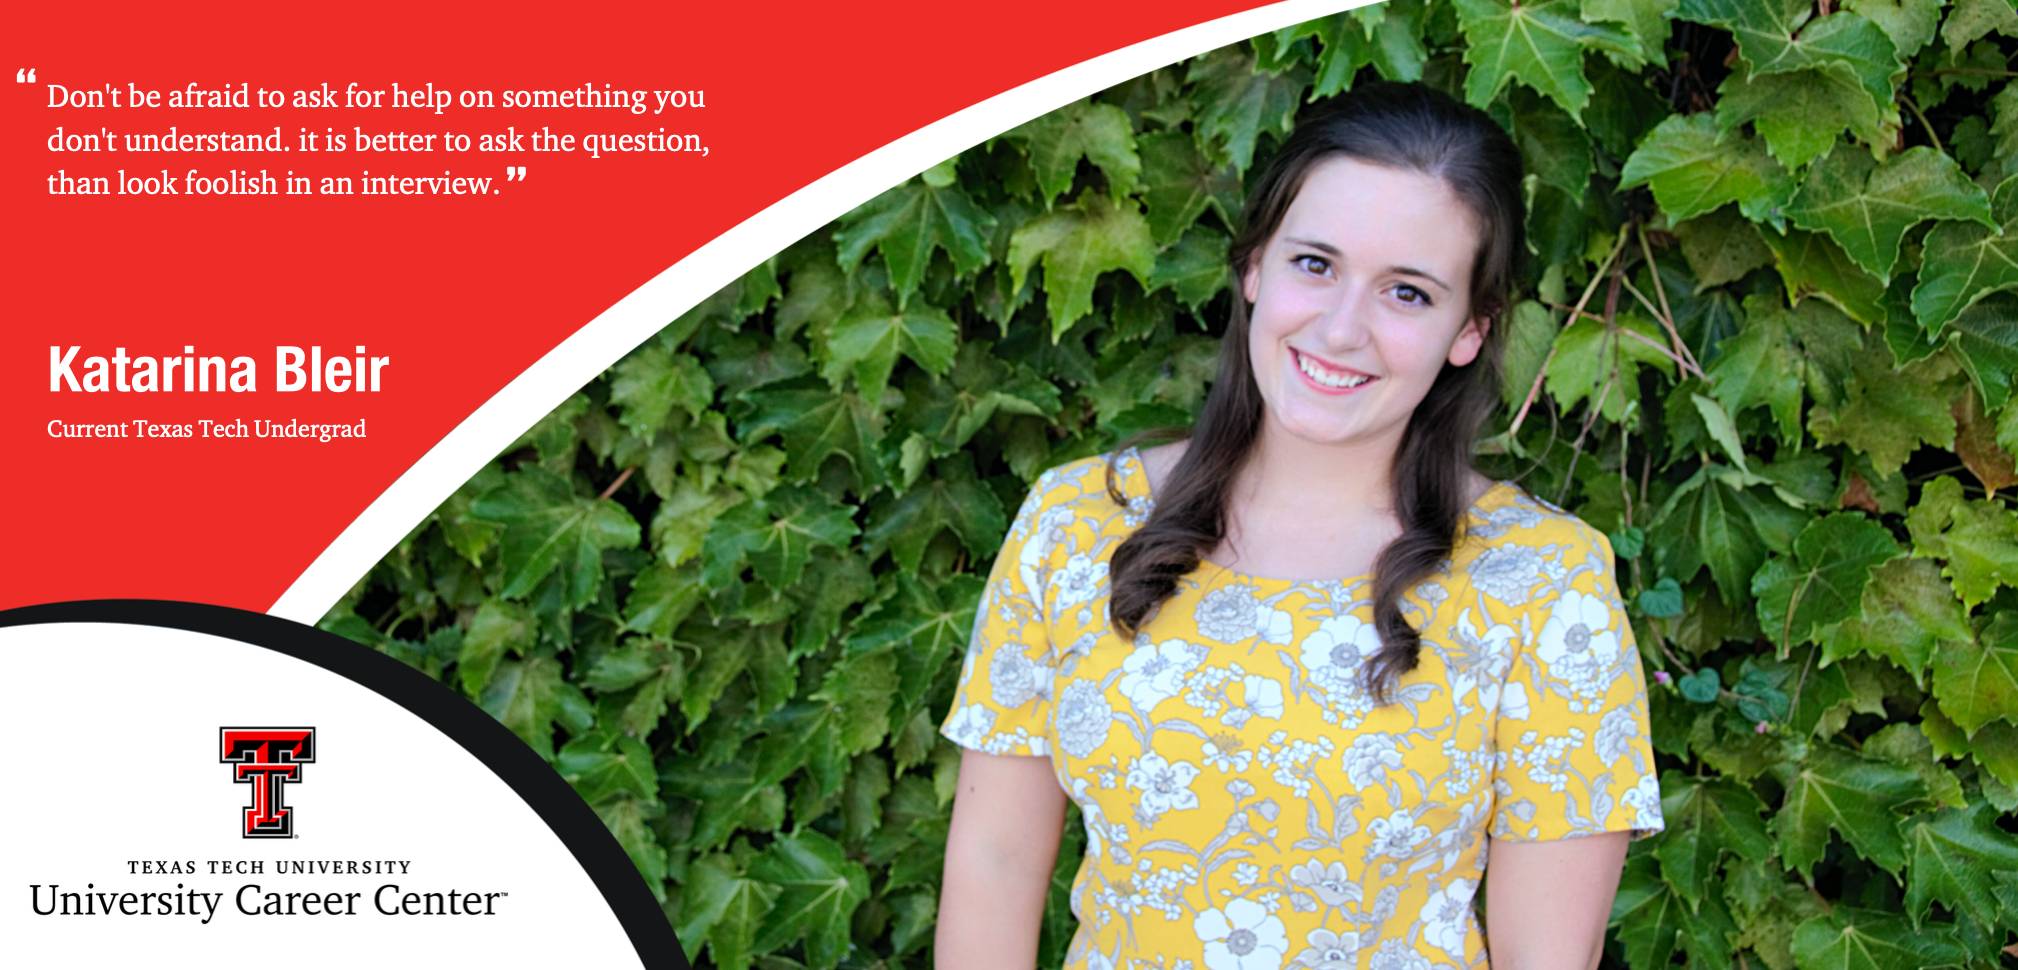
1422	298
1312	264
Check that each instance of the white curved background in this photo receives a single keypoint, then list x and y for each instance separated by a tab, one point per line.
115	759
616	331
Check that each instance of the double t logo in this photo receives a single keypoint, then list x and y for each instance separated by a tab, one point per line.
267	759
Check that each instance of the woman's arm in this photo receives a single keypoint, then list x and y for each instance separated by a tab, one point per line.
1008	814
1546	903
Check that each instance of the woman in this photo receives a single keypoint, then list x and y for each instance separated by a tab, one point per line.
1298	670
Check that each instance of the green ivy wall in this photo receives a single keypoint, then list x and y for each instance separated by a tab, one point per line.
1768	346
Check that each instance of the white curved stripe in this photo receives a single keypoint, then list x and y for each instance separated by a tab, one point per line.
616	331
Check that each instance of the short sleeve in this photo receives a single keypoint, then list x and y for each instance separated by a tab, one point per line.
1003	700
1574	750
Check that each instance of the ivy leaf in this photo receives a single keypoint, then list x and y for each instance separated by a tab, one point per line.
776	535
1867	207
1976	680
547	527
1599	363
1711	524
1889	412
1963	263
1823	581
906	224
722	907
1909	23
1530	334
1985	341
1811	265
1237	102
1776	37
1648	21
815	425
1859	798
1692	169
1761	366
1552	145
1954	851
496	627
871	336
1194	269
927	625
1077	244
1649	915
653	670
1975	18
529	696
1179	185
1907	613
1799	114
1721	247
600	766
1540	44
646	386
906	524
1100	133
1707	818
1855	939
819	891
1977	540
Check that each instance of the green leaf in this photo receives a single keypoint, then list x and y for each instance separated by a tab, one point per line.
1706	819
682	521
1692	169
1907	612
1237	102
646	386
1800	113
1975	18
495	628
1962	264
1853	939
1100	133
1700	687
1179	185
629	819
1777	37
1978	541
1553	146
776	535
1646	20
959	502
1530	335
1721	429
547	526
1859	798
1889	412
1540	44
1985	341
1867	207
1761	365
819	890
600	766
1721	247
1648	914
1909	23
653	670
869	339
1823	581
817	424
906	224
530	696
1661	600
1977	681
1077	244
1954	852
722	908
1810	265
1194	269
1595	362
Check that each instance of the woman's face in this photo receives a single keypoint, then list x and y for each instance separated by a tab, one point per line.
1368	276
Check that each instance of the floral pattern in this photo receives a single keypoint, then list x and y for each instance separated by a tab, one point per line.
1246	805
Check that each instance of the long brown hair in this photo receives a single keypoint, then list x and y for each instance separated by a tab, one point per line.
1408	127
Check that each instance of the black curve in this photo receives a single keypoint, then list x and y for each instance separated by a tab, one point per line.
466	724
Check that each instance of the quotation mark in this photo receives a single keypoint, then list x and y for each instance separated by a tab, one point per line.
24	75
515	173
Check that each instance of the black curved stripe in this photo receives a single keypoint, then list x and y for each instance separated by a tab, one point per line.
557	804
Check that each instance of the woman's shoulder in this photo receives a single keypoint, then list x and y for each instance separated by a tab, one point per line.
1091	483
1517	540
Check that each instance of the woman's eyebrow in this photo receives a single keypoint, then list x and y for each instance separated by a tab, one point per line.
1332	251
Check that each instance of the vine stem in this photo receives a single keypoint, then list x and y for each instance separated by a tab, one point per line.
1924	123
622	477
1534	389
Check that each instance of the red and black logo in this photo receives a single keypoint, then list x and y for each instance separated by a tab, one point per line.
267	758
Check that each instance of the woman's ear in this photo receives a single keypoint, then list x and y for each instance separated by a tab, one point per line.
1250	279
1465	348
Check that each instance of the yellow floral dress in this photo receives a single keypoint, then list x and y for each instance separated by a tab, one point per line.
1246	805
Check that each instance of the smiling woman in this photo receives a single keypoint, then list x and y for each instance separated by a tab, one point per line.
1297	670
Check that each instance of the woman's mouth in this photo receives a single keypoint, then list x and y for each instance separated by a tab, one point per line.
1324	380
